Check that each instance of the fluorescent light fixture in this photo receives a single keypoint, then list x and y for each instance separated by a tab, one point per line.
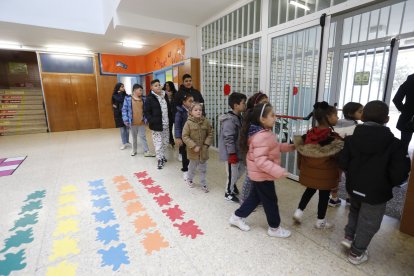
132	44
69	50
299	5
66	57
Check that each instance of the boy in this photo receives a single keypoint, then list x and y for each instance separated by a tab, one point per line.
374	162
187	88
229	144
158	114
133	117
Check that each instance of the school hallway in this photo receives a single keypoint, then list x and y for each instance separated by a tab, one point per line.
77	205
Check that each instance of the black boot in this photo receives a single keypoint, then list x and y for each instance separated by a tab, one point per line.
160	164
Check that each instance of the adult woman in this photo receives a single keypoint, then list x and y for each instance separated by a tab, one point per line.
170	90
118	97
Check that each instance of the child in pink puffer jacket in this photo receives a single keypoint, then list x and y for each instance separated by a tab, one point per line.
263	166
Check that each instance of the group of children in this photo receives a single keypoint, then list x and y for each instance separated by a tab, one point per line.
367	157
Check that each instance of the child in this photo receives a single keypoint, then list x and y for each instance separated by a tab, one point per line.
317	161
133	117
254	100
118	97
263	166
374	162
158	114
197	136
229	144
180	119
170	90
352	112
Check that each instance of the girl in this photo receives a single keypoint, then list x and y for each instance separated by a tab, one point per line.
180	119
317	162
118	97
197	136
263	167
254	100
170	90
352	112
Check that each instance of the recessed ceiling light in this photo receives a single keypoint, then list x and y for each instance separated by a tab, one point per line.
299	5
132	44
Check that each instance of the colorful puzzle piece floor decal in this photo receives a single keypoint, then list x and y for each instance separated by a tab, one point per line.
9	165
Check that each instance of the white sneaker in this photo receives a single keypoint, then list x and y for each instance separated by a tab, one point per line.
205	189
279	232
297	216
133	153
128	144
190	183
123	147
347	242
180	157
238	222
323	224
185	176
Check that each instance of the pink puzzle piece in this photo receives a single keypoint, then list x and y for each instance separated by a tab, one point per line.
147	181
174	213
141	174
155	190
189	229
163	200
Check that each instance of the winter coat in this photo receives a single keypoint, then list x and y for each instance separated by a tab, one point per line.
228	142
180	119
263	156
374	162
118	101
153	112
197	132
406	91
127	109
318	164
179	96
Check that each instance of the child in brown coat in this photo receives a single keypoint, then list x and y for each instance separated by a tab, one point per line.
197	136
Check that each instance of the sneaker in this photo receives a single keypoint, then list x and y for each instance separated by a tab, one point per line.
347	242
279	232
297	216
239	222
205	189
164	160
160	164
148	154
185	176
323	224
348	202
190	183
123	147
180	157
133	153
236	190
231	197
357	260
128	144
334	202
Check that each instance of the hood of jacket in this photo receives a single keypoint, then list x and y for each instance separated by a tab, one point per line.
199	121
253	129
371	138
231	116
316	150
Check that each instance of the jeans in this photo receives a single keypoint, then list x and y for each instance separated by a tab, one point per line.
124	134
138	131
322	204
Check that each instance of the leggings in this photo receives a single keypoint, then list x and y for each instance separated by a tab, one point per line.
322	204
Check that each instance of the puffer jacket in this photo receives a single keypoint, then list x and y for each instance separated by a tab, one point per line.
180	119
228	142
127	115
197	132
318	164
263	156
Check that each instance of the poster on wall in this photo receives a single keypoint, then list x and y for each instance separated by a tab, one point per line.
17	68
361	78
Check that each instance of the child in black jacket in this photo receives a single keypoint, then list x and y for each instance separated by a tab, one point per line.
374	162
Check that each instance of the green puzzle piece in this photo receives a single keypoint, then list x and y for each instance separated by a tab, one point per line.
28	219
12	262
33	205
18	239
36	195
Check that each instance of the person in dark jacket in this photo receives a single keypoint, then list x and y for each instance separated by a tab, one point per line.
157	111
374	162
187	88
406	91
170	90
118	97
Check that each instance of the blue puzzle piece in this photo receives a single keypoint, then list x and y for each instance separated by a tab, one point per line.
101	203
108	234
32	205
21	237
99	192
104	216
115	256
28	219
36	195
97	183
12	262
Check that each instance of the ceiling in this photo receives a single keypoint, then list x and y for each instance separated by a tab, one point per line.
190	12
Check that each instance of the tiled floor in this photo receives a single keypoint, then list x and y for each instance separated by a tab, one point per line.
66	231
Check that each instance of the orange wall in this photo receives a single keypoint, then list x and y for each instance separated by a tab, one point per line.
167	55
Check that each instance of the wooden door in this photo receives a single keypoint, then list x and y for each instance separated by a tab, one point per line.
60	109
85	100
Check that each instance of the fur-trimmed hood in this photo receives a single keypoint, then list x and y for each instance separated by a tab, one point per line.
316	150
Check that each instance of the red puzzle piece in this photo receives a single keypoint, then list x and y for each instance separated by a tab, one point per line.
141	174
174	213
163	200
189	229
147	181
155	190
